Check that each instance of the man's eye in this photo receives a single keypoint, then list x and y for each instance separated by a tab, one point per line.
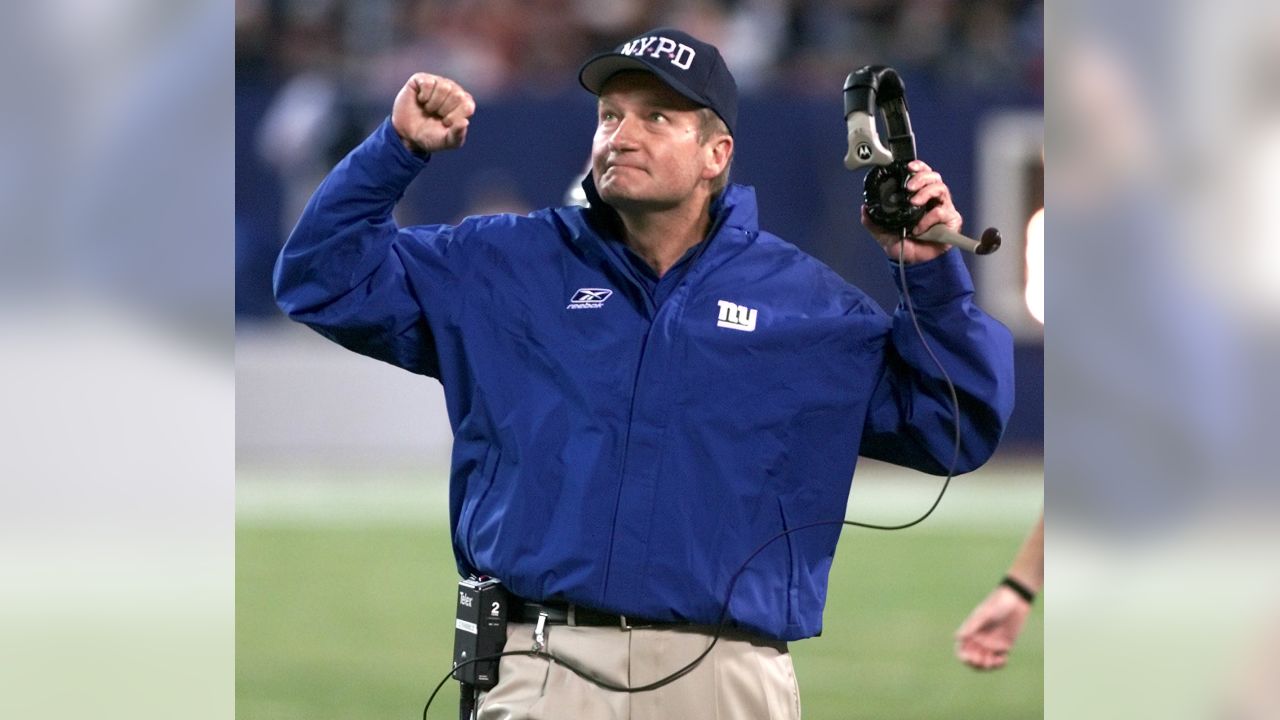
657	117
607	115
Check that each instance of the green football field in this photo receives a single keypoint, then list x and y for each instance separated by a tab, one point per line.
345	591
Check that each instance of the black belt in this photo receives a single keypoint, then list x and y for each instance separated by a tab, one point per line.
562	613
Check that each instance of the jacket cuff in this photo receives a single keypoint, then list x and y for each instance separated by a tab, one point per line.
406	161
935	282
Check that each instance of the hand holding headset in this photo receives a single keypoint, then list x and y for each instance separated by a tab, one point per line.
884	190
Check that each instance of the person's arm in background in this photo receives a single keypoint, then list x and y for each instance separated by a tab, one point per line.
348	271
989	633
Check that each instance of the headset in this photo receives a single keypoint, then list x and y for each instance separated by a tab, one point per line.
888	205
884	190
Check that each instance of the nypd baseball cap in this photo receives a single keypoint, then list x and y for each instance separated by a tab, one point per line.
691	67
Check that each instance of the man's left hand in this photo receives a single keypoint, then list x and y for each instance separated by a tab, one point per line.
926	185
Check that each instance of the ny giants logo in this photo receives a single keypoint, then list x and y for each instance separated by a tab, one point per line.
679	54
736	317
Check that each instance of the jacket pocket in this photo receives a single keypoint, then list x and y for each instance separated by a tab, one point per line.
792	569
477	490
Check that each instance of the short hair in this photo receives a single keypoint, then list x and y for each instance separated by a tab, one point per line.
710	125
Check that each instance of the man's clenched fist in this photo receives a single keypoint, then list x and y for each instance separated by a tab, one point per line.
431	113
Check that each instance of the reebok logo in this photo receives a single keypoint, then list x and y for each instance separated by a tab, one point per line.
588	298
736	317
678	54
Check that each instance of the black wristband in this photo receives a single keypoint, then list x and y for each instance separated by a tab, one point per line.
1022	591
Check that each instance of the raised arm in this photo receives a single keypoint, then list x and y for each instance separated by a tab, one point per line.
910	420
347	270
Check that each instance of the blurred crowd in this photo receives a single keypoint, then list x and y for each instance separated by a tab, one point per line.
495	45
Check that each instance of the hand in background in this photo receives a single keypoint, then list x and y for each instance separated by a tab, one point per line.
988	634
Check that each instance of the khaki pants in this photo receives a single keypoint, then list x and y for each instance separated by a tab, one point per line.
744	678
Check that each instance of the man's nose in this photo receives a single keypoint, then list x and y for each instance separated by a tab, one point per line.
623	136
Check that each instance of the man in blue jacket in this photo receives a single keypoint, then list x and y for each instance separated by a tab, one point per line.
644	390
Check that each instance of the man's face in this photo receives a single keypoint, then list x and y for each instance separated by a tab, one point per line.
646	154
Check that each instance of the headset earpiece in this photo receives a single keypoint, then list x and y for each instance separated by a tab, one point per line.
888	201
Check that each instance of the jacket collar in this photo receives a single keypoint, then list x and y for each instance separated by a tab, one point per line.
734	227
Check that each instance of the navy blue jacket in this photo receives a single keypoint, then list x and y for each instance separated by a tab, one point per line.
628	456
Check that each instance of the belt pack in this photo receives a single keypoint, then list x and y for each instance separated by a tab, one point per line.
480	629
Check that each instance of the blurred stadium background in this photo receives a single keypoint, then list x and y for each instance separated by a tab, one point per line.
344	572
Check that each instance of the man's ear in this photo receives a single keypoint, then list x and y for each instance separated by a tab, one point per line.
719	151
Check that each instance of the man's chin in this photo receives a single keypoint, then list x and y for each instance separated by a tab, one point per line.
620	198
